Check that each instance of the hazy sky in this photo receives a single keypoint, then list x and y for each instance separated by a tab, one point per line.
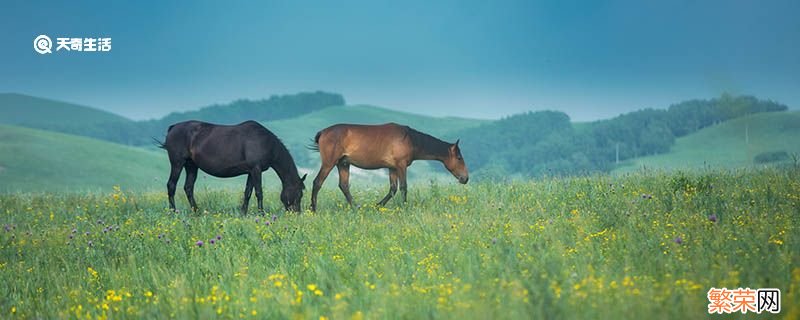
477	59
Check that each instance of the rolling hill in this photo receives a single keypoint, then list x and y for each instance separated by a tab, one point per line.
301	130
33	160
28	111
726	146
38	160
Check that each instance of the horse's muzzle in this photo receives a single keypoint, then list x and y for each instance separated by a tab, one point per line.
463	180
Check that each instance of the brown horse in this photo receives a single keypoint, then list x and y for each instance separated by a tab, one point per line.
389	146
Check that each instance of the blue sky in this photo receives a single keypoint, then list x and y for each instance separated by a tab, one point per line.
462	58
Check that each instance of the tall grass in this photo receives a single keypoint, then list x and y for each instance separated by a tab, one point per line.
648	244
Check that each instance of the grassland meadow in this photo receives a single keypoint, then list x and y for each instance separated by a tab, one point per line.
647	244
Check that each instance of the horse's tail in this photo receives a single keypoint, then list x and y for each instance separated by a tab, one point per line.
315	145
160	144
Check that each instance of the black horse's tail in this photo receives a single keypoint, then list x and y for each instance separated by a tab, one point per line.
315	145
159	144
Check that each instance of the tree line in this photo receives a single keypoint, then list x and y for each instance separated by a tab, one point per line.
140	133
548	143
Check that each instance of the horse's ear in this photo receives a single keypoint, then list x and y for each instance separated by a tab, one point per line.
457	141
304	177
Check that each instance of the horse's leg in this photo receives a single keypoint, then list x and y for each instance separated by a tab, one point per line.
324	170
392	187
188	186
401	175
344	181
174	175
257	186
248	191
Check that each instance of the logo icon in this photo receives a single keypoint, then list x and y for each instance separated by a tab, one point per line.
42	44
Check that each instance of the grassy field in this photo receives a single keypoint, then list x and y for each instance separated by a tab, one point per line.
643	245
726	146
37	160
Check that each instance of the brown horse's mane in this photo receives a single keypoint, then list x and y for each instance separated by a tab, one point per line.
426	145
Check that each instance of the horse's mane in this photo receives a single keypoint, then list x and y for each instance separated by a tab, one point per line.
426	144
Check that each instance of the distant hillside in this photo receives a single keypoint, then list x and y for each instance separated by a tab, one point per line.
730	144
37	160
303	128
32	112
274	108
547	143
28	111
34	160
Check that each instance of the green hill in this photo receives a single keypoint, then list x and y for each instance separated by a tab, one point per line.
34	160
303	128
37	160
28	111
731	144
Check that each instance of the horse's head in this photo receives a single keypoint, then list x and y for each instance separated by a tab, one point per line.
455	163
292	194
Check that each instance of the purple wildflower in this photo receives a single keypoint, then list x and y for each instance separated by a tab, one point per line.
678	240
219	237
258	220
712	217
74	230
71	236
274	217
91	244
199	243
87	233
212	241
266	223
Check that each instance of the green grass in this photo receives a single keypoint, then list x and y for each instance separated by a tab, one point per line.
724	145
41	160
19	109
588	247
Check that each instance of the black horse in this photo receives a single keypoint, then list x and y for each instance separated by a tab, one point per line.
229	151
